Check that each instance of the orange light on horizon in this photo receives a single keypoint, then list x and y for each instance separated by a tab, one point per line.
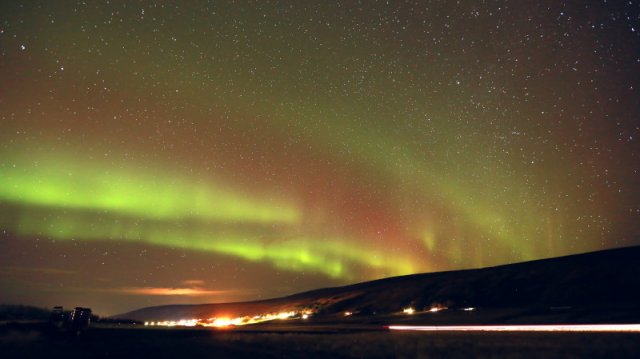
409	311
225	322
437	309
190	292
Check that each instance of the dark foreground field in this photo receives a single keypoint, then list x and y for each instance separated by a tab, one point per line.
34	341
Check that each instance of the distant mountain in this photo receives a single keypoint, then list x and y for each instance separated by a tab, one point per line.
601	286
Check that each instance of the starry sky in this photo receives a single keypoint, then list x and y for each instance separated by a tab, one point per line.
212	151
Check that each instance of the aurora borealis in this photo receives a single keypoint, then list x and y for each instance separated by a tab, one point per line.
205	151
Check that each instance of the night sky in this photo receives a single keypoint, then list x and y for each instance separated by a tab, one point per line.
197	152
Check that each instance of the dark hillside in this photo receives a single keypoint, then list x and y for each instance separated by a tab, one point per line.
601	285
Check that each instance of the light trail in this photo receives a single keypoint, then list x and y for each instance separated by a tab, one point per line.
523	328
228	322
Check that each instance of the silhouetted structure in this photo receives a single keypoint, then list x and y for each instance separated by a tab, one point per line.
57	318
79	320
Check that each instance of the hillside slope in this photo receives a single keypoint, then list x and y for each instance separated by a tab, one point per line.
597	286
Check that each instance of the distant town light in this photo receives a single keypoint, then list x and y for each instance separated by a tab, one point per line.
409	311
227	322
437	309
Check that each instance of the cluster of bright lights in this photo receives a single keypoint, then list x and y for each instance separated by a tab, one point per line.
172	323
223	322
409	311
245	320
437	308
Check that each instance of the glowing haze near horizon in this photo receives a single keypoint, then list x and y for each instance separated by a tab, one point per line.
192	152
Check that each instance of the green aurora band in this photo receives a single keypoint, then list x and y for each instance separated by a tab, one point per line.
66	199
67	182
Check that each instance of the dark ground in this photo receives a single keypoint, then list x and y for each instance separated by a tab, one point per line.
35	340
